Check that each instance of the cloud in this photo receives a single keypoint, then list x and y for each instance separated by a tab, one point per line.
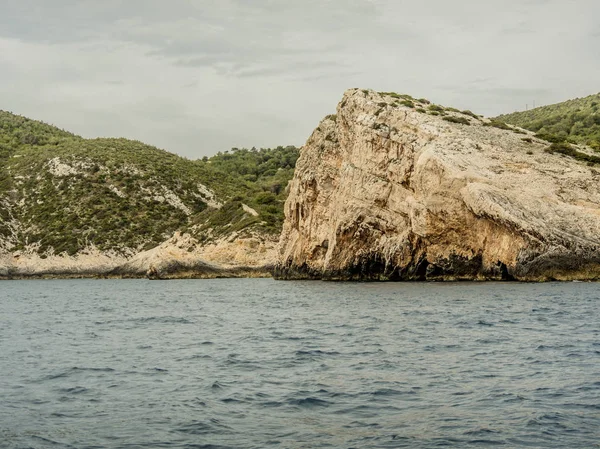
518	28
200	76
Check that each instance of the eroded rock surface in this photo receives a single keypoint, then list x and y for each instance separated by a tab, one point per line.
179	257
384	191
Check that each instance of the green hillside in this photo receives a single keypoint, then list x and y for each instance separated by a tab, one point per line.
576	120
61	193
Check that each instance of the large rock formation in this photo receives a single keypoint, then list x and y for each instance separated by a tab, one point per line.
387	189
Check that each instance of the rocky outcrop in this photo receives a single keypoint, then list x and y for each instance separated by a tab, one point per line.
183	257
180	257
387	189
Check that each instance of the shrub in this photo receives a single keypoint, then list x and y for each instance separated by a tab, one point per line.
562	148
498	124
435	108
459	120
470	114
421	110
550	137
407	103
568	150
266	198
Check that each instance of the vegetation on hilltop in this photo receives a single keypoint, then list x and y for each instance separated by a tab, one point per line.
561	125
16	130
424	106
259	180
62	193
575	120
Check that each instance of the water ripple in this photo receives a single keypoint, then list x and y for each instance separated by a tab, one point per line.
255	363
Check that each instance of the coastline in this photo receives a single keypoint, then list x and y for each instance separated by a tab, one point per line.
246	272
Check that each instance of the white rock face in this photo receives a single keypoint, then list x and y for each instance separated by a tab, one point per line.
171	198
208	196
383	191
61	169
91	262
249	210
181	256
116	191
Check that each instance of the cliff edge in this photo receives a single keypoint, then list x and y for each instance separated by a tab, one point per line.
393	188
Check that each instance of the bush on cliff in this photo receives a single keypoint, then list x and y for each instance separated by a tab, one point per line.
577	120
459	120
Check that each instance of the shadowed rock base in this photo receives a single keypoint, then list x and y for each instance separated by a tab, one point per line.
452	269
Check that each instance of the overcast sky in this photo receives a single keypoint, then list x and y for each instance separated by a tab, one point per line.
200	76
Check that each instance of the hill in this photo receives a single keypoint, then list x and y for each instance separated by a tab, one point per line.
577	120
63	194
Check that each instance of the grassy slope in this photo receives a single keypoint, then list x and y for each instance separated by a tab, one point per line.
576	120
61	192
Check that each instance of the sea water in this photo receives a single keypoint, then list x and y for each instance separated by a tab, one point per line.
256	363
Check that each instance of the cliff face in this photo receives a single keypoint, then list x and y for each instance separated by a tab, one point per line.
390	190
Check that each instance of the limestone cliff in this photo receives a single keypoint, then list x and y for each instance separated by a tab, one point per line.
392	188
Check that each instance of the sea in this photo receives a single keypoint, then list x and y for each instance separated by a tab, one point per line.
258	363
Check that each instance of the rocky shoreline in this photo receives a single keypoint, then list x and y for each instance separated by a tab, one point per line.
180	257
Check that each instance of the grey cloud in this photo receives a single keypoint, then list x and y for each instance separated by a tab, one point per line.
198	76
518	28
481	81
519	92
291	68
490	101
489	87
199	61
311	78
